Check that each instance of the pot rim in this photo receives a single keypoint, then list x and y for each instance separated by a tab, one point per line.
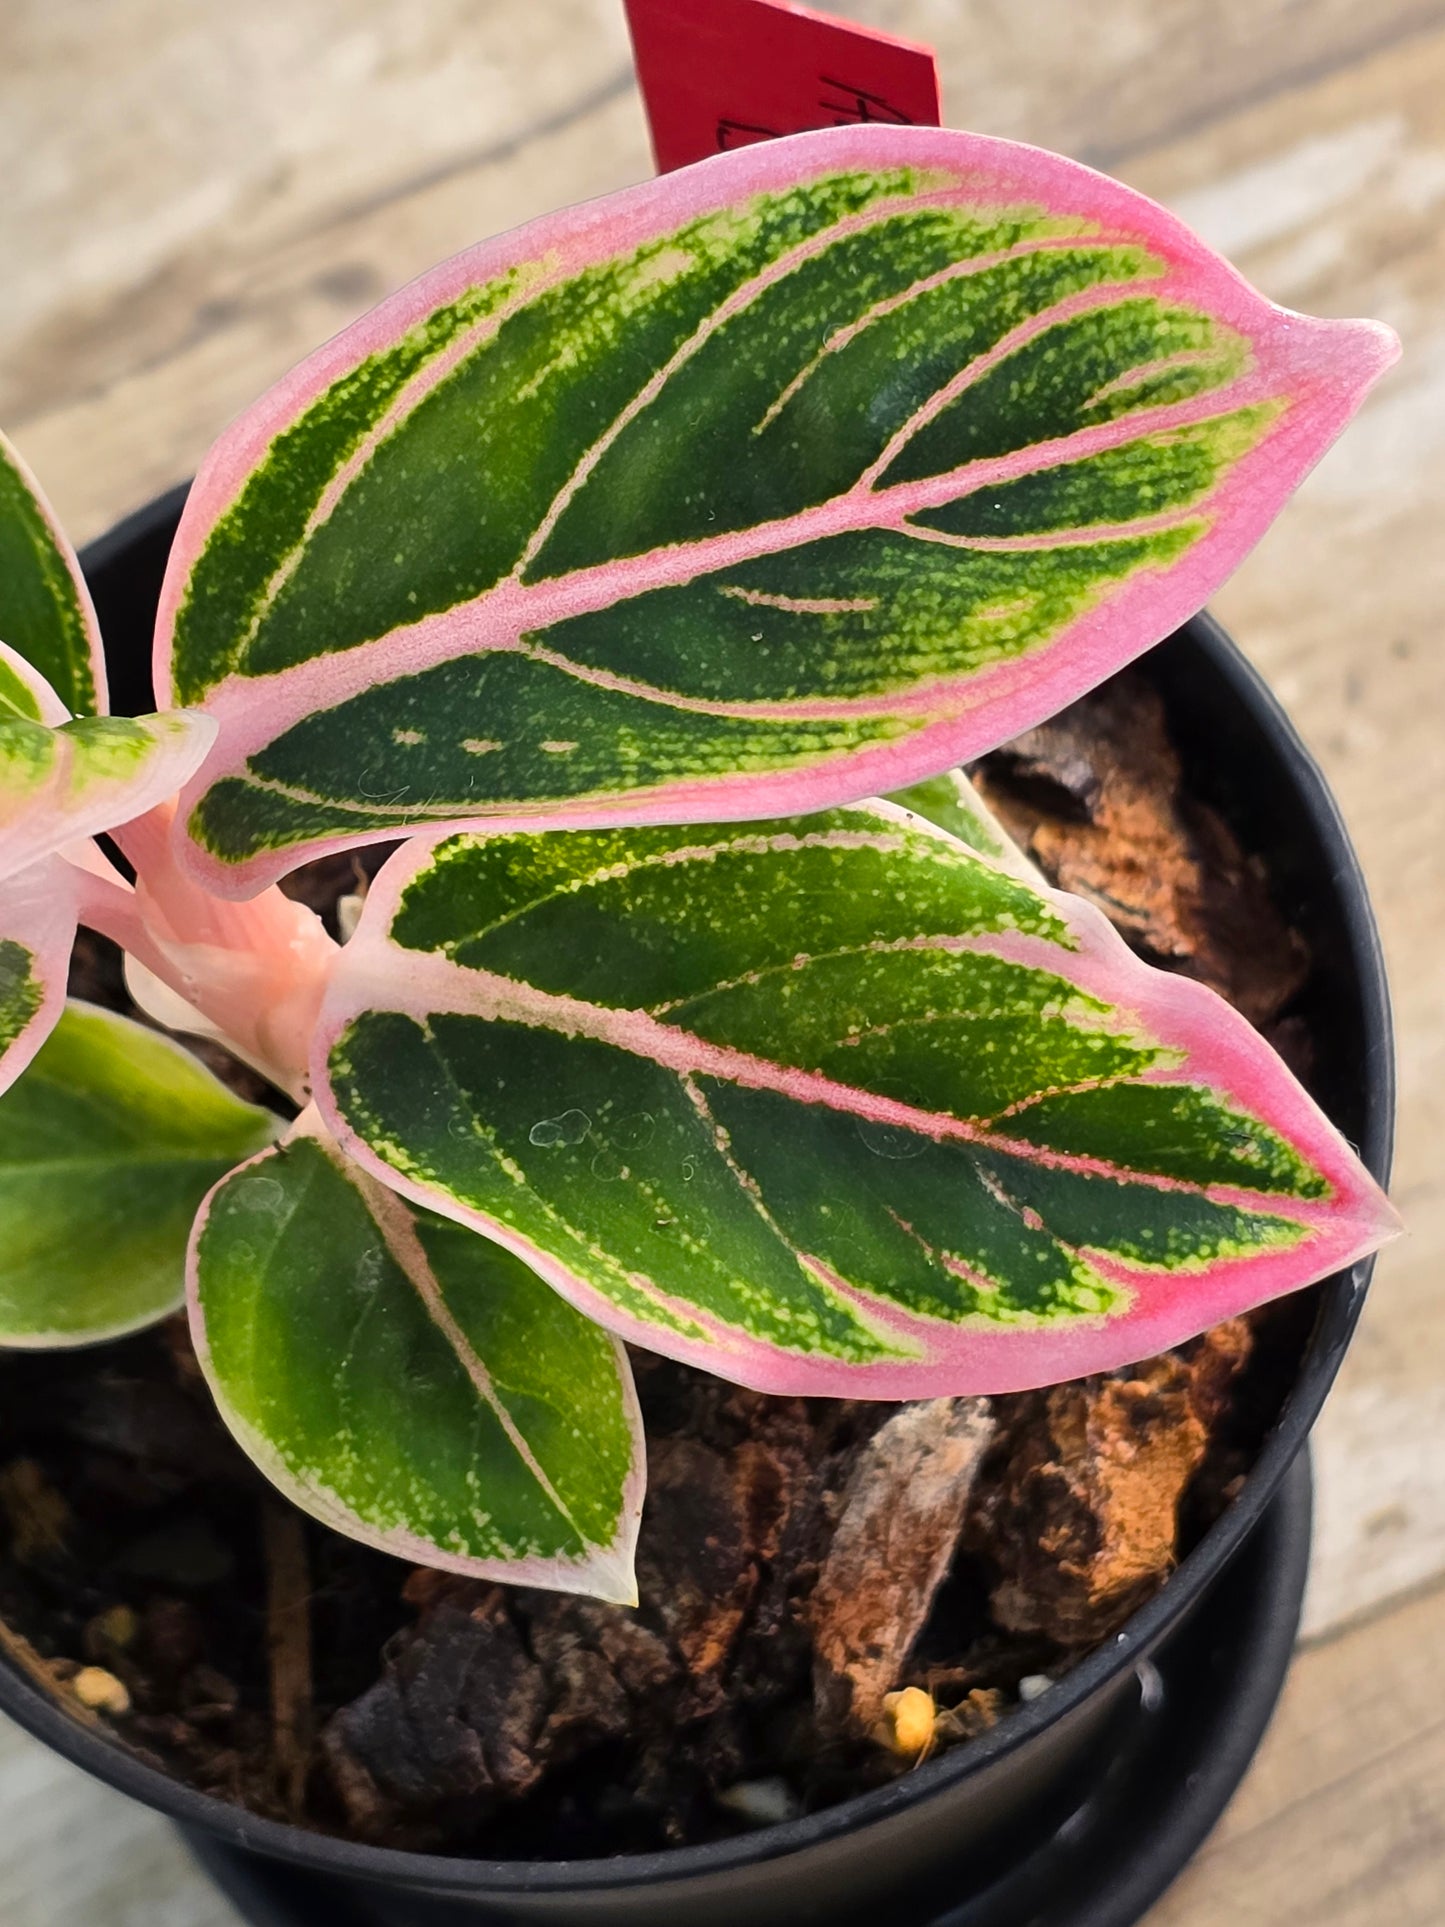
1342	1297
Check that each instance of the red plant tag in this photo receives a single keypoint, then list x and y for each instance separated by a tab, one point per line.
717	74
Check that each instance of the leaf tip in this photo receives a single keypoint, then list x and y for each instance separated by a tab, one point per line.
1389	1223
1357	353
610	1575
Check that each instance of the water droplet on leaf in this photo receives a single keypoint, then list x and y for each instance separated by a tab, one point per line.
261	1194
890	1140
568	1128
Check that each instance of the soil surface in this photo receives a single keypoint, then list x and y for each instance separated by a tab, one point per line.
829	1589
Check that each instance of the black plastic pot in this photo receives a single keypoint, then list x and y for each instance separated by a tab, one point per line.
1079	1808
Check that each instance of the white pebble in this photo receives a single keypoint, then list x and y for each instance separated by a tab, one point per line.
763	1803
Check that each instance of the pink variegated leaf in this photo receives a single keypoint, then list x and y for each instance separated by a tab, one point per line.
67	770
38	914
800	474
25	695
826	1105
61	783
46	615
63	780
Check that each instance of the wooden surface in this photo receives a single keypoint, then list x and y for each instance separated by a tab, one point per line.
197	192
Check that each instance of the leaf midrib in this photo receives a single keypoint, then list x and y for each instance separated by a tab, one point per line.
522	610
492	997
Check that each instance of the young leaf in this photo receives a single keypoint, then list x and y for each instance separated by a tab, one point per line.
25	695
828	1105
38	915
46	613
59	783
106	1150
790	477
410	1383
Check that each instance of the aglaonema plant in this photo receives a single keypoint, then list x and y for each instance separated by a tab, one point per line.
651	571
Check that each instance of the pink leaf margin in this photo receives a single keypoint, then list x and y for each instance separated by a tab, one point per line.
52	710
1219	1048
1325	367
62	814
10	454
40	909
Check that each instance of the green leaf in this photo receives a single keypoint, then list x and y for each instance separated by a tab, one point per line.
799	475
412	1384
951	802
45	609
827	1105
107	1147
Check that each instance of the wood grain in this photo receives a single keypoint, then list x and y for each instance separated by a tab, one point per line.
196	193
1330	199
1341	1822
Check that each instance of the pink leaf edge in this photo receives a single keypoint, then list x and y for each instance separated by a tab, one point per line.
39	909
1326	366
1219	1046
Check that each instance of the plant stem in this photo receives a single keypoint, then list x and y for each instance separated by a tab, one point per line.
252	974
288	1631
